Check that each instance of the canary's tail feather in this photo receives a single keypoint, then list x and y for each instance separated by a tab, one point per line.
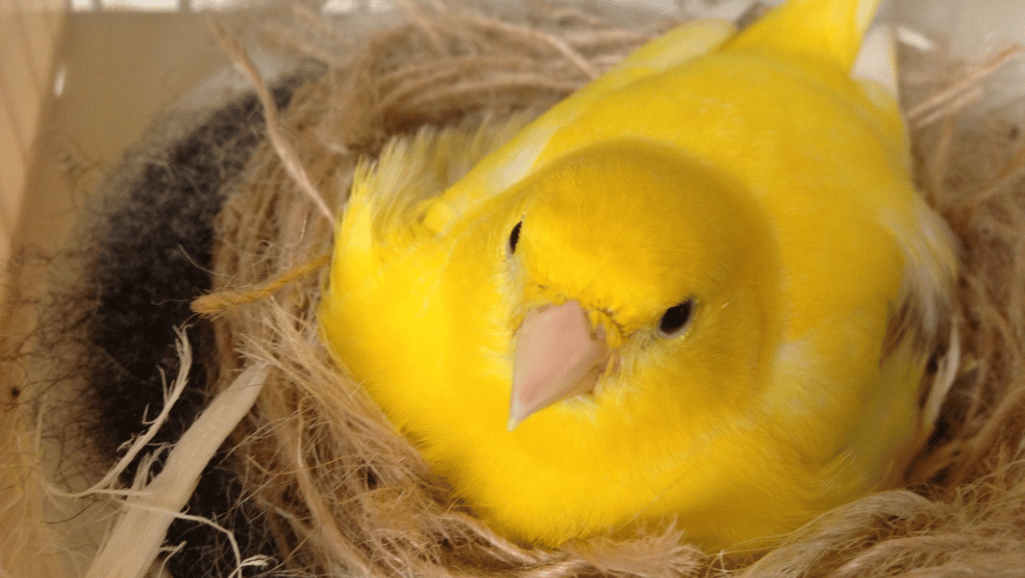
875	69
831	28
876	63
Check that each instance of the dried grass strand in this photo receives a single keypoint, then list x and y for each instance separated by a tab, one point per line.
958	95
215	303
135	540
274	132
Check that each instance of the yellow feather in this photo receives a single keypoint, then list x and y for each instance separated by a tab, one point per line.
830	30
750	182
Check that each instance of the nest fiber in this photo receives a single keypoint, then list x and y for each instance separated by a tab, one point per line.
315	482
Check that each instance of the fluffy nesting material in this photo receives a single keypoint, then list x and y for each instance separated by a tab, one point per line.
333	490
93	372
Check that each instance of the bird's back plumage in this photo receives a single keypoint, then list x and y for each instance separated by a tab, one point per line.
748	187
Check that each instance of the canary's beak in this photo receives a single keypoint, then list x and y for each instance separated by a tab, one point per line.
557	356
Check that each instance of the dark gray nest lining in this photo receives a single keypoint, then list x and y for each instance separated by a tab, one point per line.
146	255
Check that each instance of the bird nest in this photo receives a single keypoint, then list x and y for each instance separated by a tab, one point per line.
321	484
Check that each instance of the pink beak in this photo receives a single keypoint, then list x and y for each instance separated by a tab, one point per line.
556	357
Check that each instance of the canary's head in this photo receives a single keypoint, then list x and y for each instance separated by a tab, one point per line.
632	256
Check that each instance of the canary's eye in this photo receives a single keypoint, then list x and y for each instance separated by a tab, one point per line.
514	237
676	317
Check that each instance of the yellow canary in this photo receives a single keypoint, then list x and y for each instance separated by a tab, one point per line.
702	289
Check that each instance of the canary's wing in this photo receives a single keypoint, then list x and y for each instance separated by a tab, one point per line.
929	252
518	158
925	243
798	28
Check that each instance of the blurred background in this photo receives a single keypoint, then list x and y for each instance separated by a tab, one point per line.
80	80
